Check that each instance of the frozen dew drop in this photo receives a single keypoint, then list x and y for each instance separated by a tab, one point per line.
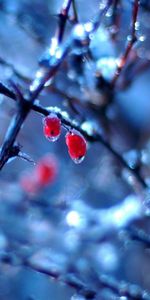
53	109
53	139
81	38
49	82
78	160
73	218
76	219
79	32
89	27
65	115
137	25
142	38
89	127
132	157
38	77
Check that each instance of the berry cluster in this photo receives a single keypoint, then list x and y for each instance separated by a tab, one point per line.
75	142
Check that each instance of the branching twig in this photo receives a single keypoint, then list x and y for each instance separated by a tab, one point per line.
25	106
131	42
72	280
36	88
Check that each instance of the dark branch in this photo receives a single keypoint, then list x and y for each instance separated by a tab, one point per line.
131	42
116	16
139	235
63	17
72	280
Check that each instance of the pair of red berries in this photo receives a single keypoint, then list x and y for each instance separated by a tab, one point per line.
75	142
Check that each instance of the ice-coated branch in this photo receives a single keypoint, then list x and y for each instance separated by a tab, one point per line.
131	41
25	102
73	280
24	105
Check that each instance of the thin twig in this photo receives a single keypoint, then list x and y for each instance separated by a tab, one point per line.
63	17
131	42
72	280
116	16
101	14
75	16
14	70
131	74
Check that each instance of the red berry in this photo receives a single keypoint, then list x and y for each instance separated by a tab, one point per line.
46	170
77	146
44	173
52	127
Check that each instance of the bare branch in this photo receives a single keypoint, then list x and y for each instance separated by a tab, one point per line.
63	17
72	280
36	88
131	42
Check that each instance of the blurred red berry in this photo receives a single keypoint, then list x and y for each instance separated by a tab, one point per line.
46	170
44	173
77	146
52	127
